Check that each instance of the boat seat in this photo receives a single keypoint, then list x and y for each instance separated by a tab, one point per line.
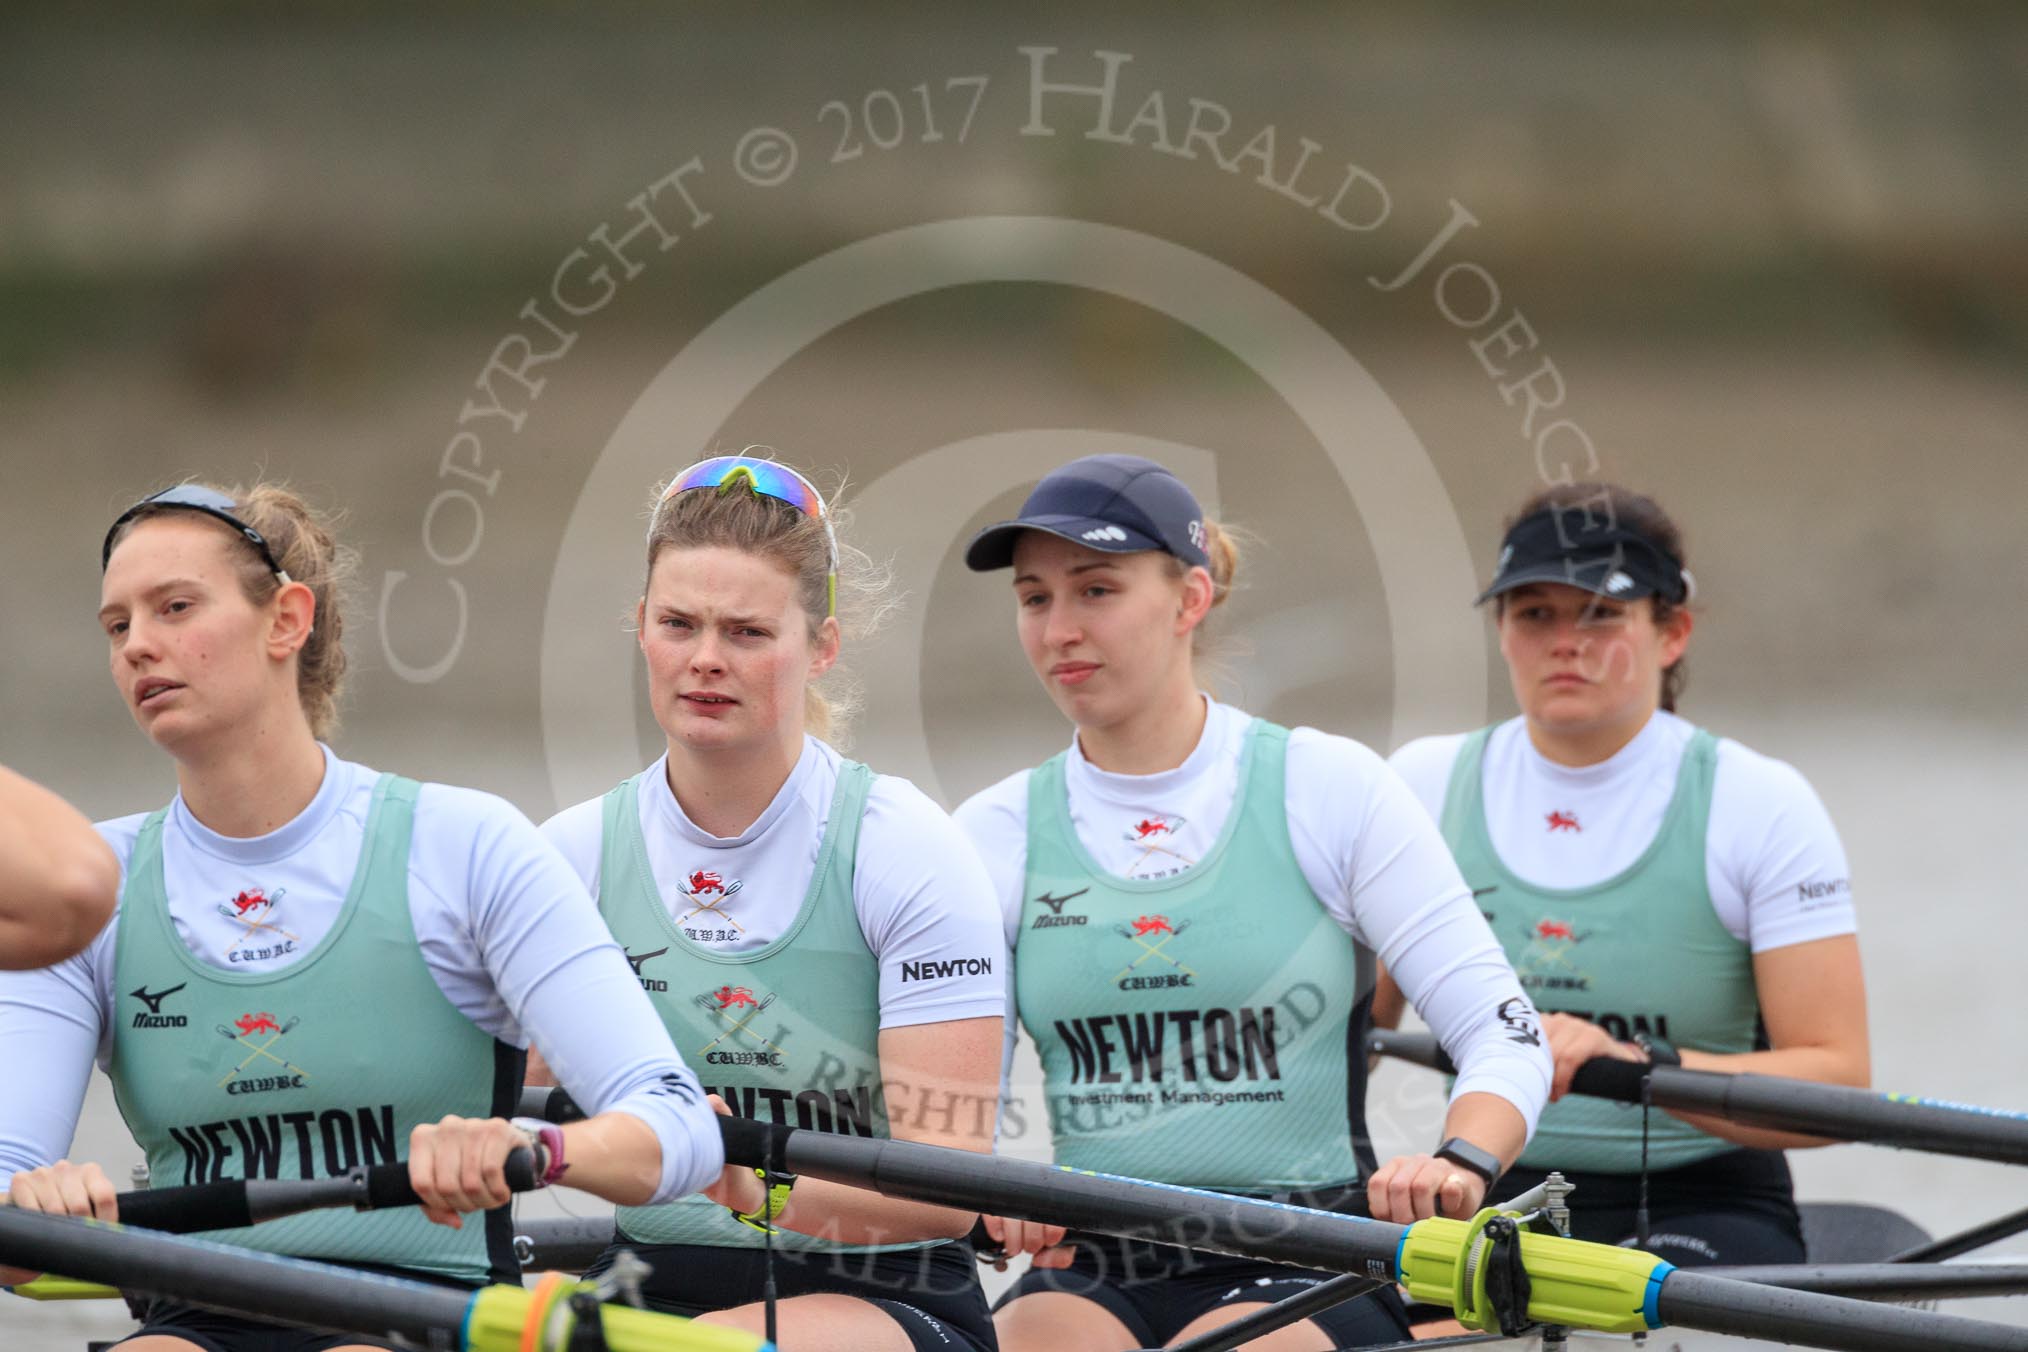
1848	1232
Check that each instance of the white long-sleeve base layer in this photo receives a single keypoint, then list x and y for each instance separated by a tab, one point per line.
1368	850
1773	862
505	928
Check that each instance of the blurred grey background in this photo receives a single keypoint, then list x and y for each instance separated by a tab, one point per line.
1775	255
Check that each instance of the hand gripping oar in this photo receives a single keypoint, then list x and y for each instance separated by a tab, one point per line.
1569	1282
1905	1121
233	1203
556	1316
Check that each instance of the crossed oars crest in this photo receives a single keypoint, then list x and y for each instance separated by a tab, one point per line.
251	909
1148	832
250	1024
702	885
732	998
1139	931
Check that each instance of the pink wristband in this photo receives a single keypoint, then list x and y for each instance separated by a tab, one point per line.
549	1137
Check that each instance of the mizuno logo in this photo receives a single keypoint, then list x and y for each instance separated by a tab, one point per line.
154	1002
1105	533
635	962
1049	899
1619	582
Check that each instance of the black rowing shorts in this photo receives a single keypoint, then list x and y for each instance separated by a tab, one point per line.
1156	1290
1738	1207
933	1293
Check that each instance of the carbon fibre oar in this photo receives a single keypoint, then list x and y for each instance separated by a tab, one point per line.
315	1295
565	1244
1889	1281
550	1103
232	1203
1573	1283
1839	1113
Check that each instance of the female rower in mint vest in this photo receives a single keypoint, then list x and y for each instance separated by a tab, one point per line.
1665	894
819	939
1198	896
314	965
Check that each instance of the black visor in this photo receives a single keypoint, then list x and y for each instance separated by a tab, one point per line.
1579	548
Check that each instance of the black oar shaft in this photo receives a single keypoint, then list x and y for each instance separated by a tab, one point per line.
1247	1227
1131	1209
1844	1114
1281	1314
1717	1305
1965	1241
414	1314
1889	1281
550	1103
1836	1112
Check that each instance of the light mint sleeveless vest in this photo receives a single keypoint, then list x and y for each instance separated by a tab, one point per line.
786	1033
305	1072
1641	952
1205	1028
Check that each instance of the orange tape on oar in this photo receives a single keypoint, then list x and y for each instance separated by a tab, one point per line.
552	1288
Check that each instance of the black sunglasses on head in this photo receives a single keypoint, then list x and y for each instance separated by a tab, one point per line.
195	498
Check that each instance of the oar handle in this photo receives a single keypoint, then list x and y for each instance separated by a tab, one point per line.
550	1103
233	1203
1835	1112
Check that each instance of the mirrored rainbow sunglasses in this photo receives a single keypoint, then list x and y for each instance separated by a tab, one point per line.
770	480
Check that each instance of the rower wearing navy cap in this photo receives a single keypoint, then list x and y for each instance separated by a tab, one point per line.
1666	895
1196	898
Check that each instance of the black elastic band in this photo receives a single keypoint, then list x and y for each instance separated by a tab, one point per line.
1507	1287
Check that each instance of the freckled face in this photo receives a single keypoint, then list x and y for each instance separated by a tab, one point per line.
730	654
187	649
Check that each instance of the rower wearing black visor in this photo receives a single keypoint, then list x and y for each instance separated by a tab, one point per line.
1666	895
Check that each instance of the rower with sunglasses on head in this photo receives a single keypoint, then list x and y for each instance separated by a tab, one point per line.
1667	895
315	965
819	938
1198	896
58	880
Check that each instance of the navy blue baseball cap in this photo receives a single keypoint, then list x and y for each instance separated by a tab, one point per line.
1119	504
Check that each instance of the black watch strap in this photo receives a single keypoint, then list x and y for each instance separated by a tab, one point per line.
1465	1155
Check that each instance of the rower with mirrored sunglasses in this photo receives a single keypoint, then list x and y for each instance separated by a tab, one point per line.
819	938
315	965
1667	895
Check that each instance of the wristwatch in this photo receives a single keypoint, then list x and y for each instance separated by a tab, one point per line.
1465	1155
777	1201
546	1140
1661	1052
